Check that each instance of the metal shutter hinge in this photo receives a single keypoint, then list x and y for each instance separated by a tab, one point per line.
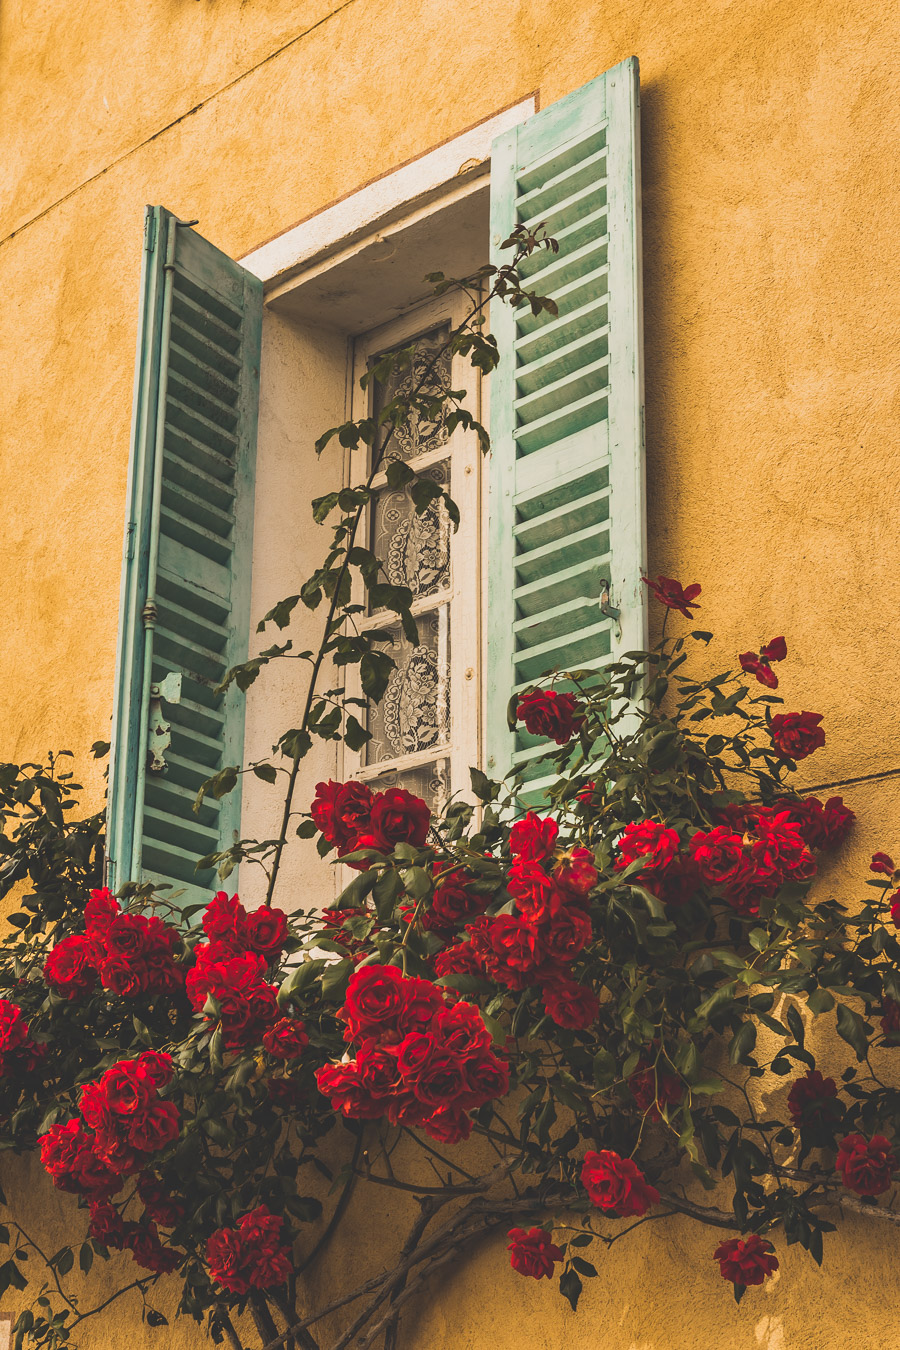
160	737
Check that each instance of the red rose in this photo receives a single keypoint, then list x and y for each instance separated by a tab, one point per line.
890	1019
116	1154
819	826
486	1079
457	960
567	934
100	910
17	1050
747	1260
537	895
461	1031
286	1039
222	919
571	1005
760	666
812	1099
647	839
378	1070
129	1091
157	1129
779	853
575	872
673	595
440	1082
225	1258
126	936
399	818
617	1185
516	942
340	811
421	1000
654	1089
161	1207
268	1259
61	1149
125	976
413	1054
264	931
450	1125
149	1252
753	665
720	856
106	1225
546	713
796	735
532	1252
157	1066
285	1093
340	1083
71	969
374	1000
533	838
866	1165
882	864
452	902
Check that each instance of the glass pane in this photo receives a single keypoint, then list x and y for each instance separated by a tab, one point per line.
415	549
419	434
414	714
431	782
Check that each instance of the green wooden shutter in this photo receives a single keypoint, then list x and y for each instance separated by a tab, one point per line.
567	460
184	609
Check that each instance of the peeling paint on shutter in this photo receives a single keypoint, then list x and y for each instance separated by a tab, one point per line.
566	524
184	610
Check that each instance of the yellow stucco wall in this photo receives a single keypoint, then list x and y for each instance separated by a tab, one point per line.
771	278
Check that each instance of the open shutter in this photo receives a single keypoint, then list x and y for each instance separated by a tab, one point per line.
184	610
566	528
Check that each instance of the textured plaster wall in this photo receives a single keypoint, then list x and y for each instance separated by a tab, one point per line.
771	284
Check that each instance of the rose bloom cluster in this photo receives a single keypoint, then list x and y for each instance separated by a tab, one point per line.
747	857
251	1256
351	816
130	954
231	967
18	1052
537	945
140	1238
127	1123
421	1059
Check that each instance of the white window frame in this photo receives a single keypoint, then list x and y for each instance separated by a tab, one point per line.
301	269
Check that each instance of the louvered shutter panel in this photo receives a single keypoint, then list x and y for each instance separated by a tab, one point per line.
566	514
184	610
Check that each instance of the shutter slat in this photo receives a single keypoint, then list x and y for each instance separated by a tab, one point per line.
187	579
181	473
566	521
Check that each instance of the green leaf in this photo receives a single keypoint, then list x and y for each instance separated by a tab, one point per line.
86	1257
795	1022
742	1044
820	1001
355	735
583	1267
570	1287
852	1029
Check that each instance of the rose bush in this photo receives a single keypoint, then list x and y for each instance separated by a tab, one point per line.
561	1004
